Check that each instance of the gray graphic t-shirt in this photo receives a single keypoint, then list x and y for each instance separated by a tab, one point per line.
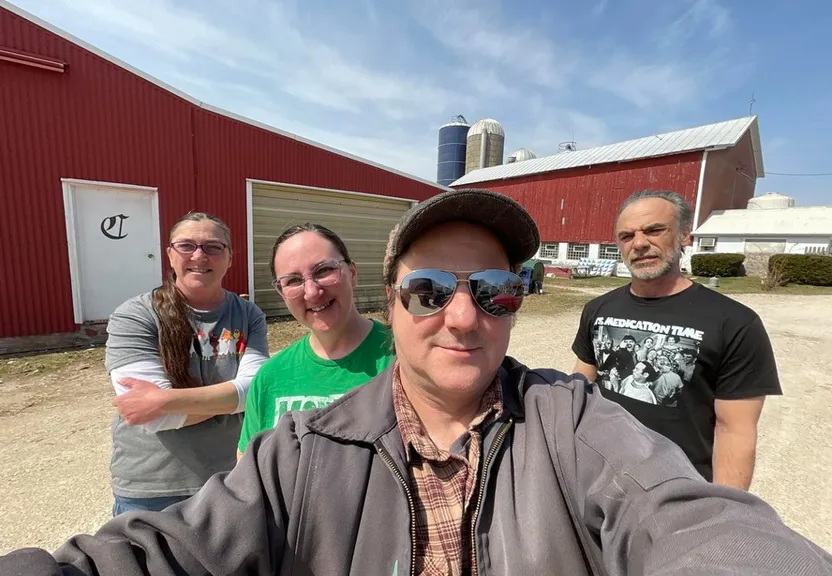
148	464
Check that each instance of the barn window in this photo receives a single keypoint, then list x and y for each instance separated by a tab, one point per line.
610	252
707	244
549	250
576	251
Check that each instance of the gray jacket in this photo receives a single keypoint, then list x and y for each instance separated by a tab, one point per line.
572	485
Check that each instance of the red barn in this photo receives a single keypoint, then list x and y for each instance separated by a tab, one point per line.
574	195
97	160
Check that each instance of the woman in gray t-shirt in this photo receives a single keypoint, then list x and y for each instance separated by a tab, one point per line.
181	359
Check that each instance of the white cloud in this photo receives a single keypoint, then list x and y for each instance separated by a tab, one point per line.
416	156
514	62
600	8
555	125
480	35
277	52
389	145
647	85
776	144
699	19
684	70
487	82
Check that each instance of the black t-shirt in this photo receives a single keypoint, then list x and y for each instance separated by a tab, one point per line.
666	360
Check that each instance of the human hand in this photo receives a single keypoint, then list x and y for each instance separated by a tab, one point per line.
143	403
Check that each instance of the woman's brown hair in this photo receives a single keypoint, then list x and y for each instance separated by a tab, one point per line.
175	330
323	231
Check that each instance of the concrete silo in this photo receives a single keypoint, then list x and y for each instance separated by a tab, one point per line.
770	200
520	155
486	141
450	163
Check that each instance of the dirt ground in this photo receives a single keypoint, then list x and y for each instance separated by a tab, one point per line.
55	425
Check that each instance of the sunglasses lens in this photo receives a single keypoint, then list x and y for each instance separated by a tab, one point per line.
424	292
498	292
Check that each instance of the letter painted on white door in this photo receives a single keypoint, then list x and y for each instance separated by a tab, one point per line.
116	246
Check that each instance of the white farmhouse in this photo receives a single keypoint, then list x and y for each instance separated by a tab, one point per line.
771	224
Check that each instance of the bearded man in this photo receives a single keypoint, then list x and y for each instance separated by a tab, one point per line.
732	367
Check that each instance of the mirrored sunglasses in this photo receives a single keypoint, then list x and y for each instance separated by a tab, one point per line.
427	291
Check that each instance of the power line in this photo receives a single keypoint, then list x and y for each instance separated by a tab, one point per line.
798	173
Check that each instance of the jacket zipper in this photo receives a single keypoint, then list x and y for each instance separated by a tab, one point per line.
397	473
498	441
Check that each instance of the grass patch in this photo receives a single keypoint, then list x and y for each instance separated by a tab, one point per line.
752	285
730	285
595	282
52	362
554	300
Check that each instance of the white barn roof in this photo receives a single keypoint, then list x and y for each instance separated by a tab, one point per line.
774	222
710	137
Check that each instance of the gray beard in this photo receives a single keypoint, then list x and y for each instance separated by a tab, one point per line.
663	269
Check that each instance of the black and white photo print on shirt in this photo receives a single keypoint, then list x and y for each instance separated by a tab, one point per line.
645	361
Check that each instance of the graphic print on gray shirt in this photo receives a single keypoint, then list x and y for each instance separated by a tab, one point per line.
178	462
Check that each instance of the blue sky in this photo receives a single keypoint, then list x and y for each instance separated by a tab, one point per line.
378	77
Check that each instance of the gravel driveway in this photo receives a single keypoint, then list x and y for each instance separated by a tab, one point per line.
56	429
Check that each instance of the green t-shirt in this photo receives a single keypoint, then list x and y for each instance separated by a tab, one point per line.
298	379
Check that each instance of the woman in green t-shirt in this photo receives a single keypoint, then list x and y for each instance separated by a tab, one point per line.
315	276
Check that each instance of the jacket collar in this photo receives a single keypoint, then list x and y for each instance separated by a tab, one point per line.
366	413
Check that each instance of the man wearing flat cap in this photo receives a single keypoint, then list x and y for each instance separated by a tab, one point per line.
456	460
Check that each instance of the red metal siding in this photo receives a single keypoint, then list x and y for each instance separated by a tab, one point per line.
223	167
591	196
97	121
730	179
264	155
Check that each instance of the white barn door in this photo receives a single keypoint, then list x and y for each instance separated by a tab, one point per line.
114	245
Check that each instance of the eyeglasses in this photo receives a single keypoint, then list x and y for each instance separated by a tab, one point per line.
294	285
211	248
425	292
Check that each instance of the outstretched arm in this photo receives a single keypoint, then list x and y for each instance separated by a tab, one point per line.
202	535
653	514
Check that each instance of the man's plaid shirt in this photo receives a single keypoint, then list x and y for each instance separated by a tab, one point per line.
443	484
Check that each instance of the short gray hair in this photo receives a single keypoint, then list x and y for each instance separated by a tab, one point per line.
684	215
